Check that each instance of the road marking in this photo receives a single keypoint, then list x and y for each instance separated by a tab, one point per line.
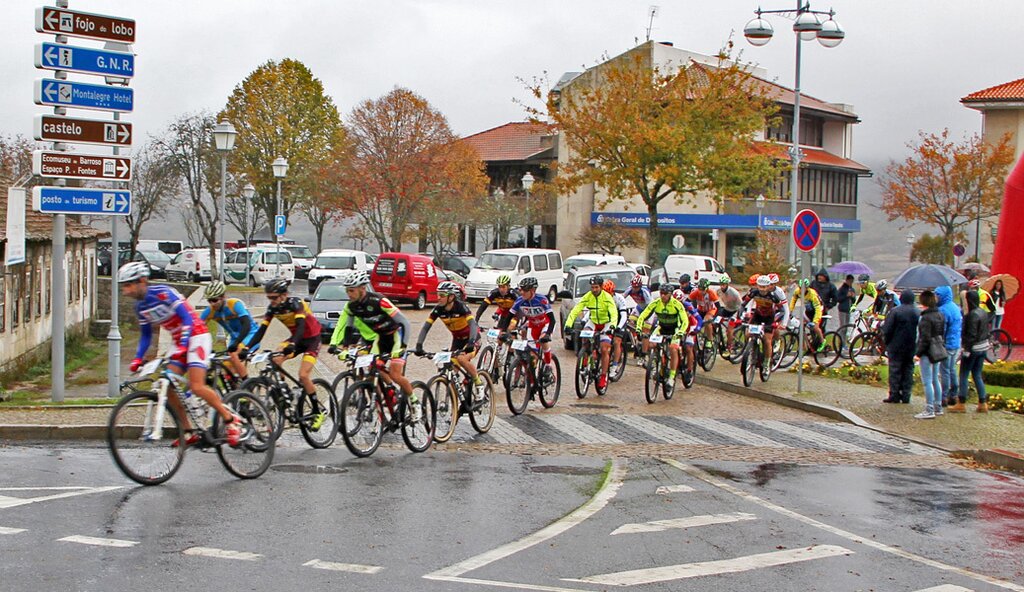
660	431
736	433
576	428
221	553
711	568
945	588
608	490
88	540
666	489
9	530
11	502
349	567
688	522
506	433
827	442
872	435
711	479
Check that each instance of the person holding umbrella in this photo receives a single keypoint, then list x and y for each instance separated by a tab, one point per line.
999	300
844	296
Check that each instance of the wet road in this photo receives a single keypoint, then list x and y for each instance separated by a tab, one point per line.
456	521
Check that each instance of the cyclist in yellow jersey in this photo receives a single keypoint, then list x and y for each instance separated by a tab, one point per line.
604	315
813	308
673	322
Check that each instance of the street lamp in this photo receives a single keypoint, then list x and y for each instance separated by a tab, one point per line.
224	137
280	166
910	243
760	208
248	192
527	184
499	196
807	26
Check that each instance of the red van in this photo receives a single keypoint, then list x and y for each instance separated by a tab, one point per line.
404	277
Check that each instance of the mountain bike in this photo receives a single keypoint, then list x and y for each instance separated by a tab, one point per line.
1002	344
752	359
588	363
705	350
493	358
826	357
455	389
147	435
657	370
373	406
317	416
528	377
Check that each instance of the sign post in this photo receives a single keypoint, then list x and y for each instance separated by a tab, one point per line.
806	236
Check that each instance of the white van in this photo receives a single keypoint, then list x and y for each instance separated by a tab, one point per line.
190	265
256	265
698	266
335	263
302	257
543	264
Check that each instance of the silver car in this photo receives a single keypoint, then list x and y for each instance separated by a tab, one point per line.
577	283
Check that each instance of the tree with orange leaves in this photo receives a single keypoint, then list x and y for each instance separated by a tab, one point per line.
947	184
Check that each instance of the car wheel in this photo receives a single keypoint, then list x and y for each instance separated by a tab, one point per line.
421	301
193	278
552	294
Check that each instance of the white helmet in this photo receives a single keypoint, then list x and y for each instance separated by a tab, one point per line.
882	284
763	281
132	271
356	279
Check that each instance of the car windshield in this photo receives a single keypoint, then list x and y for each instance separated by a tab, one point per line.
156	257
621	279
275	257
330	292
301	252
335	262
577	262
497	261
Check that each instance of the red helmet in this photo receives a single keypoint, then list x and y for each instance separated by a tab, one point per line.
975	283
637	281
753	279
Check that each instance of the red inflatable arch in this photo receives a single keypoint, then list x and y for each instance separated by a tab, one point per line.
1009	254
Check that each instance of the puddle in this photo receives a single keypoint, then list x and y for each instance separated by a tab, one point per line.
310	469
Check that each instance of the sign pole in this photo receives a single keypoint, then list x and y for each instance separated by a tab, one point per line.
806	230
57	309
114	334
805	271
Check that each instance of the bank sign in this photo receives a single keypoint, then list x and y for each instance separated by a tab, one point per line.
721	221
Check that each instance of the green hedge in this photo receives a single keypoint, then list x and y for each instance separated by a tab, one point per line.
1004	374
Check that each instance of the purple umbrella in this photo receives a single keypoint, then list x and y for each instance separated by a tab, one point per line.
850	267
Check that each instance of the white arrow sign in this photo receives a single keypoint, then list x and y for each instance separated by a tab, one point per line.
122	170
49	90
51	20
50	54
122	203
688	522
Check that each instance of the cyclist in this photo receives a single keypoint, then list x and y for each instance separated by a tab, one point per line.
867	289
885	300
234	317
987	303
813	308
165	307
457	317
768	307
672	323
503	296
640	294
731	302
695	322
706	302
535	310
624	307
603	317
684	283
383	323
294	313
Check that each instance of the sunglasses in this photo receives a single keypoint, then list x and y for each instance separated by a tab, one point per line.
274	297
214	300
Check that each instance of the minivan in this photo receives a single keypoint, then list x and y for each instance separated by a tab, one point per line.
405	277
255	265
698	266
302	257
543	264
192	265
334	263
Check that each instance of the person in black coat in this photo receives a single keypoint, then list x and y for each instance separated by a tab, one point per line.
900	334
931	349
844	297
975	339
826	291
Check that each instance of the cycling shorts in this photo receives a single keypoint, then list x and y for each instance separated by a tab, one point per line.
199	349
726	314
309	347
537	331
458	343
766	321
504	320
392	343
596	327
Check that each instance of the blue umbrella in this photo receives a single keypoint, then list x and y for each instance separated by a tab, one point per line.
929	276
850	267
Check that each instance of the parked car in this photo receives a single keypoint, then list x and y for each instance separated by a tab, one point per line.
406	277
698	266
578	283
103	260
334	263
327	302
588	259
543	264
157	261
657	277
191	265
256	265
460	263
642	269
171	247
302	257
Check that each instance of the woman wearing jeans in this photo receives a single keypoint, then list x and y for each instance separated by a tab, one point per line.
931	340
975	344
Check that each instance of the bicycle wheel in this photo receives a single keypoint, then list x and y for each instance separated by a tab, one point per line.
748	365
485	361
620	369
274	403
418	435
1002	344
319	422
786	345
446	404
652	376
145	460
764	366
582	378
864	348
549	390
846	334
830	354
739	343
668	385
482	412
518	383
341	383
709	354
362	426
255	451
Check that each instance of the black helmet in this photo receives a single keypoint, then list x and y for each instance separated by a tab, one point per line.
863	277
276	286
684	278
528	283
666	288
596	280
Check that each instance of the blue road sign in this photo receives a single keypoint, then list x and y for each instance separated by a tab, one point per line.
57	56
279	225
78	200
807	230
61	93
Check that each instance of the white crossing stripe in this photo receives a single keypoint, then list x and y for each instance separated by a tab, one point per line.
945	588
872	435
710	568
665	489
734	432
349	567
506	433
657	430
9	530
688	522
221	553
809	435
574	427
10	502
88	540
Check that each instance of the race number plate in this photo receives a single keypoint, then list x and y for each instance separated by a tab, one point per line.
260	358
442	358
755	330
656	338
150	367
493	333
364	361
519	344
587	333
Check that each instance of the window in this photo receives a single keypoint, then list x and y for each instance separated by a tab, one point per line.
30	281
39	290
540	263
554	261
402	267
15	299
3	303
524	265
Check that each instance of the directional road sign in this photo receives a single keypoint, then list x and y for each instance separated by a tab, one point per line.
806	230
78	200
279	225
54	128
69	165
86	60
61	93
61	21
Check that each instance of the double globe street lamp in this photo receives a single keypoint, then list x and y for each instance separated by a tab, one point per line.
280	167
224	135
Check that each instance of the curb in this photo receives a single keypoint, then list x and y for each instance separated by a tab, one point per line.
52	432
1004	459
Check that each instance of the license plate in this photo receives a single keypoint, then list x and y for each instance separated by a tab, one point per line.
755	330
656	338
364	361
519	344
260	358
442	358
385	284
493	333
587	333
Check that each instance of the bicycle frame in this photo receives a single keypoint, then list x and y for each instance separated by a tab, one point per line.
153	426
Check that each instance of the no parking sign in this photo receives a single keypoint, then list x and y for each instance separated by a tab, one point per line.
806	230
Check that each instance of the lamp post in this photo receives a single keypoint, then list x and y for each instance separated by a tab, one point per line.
248	192
280	166
760	208
807	26
499	196
224	137
527	184
910	243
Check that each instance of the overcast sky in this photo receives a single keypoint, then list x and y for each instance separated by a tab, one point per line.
904	64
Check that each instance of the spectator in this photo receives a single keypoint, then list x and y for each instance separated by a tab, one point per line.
999	301
975	344
826	292
900	333
844	297
951	312
931	348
